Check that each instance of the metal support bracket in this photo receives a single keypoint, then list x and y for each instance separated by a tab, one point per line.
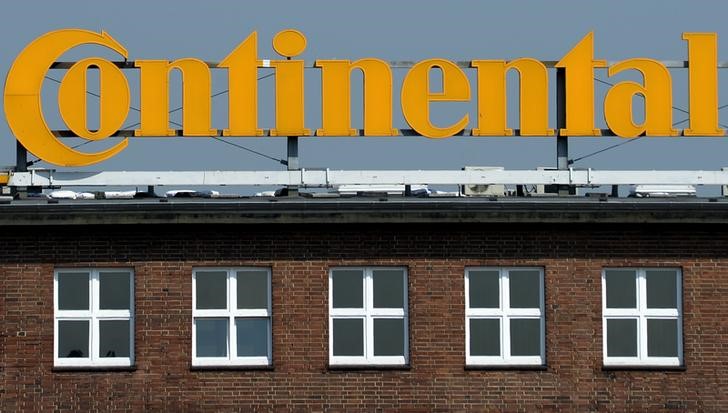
292	162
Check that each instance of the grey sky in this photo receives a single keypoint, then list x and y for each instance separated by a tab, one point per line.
402	30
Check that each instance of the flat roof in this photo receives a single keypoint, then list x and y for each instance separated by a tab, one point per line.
300	210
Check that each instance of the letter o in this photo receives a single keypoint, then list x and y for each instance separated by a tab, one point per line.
114	98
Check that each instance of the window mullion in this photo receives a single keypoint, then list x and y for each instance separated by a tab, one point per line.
94	305
505	329
194	298
368	321
194	335
232	305
232	290
232	340
678	301
505	300
641	321
94	292
505	337
368	337
93	344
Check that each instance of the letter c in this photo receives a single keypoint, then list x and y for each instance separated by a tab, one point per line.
23	109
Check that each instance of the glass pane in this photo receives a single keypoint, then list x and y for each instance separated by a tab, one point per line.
212	337
388	337
252	337
484	289
348	337
253	289
211	290
662	338
661	289
114	291
485	337
525	288
622	338
526	337
388	288
73	338
114	338
73	291
621	288
348	289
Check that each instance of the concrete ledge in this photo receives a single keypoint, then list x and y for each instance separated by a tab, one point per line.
365	210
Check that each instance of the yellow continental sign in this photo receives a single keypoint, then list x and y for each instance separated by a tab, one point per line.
23	107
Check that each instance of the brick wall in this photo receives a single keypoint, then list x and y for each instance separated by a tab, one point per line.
163	257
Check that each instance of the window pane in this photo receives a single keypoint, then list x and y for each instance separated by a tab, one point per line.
212	337
253	289
73	291
661	289
485	337
211	290
622	338
73	338
484	289
621	288
252	337
114	293
662	338
525	337
114	338
388	288
348	337
388	337
348	288
525	290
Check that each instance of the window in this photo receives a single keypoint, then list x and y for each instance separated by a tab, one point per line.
504	322
368	316
94	318
642	317
231	311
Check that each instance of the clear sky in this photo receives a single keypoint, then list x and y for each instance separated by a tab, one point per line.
390	30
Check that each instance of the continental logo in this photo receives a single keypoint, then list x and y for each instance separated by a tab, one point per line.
23	108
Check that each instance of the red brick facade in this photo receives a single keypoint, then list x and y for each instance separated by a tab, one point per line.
162	257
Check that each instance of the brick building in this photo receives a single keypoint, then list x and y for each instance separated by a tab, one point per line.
364	304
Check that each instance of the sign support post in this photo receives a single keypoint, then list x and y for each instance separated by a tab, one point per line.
21	165
21	157
292	162
562	142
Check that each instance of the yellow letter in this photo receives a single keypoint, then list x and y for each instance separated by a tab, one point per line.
579	64
492	97
289	84
336	97
657	93
23	109
113	101
703	78
242	65
416	96
154	97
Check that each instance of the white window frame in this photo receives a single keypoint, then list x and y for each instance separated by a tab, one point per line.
231	313
368	314
641	314
93	315
504	314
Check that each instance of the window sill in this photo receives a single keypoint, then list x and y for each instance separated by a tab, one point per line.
644	368
372	367
99	369
525	367
232	368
